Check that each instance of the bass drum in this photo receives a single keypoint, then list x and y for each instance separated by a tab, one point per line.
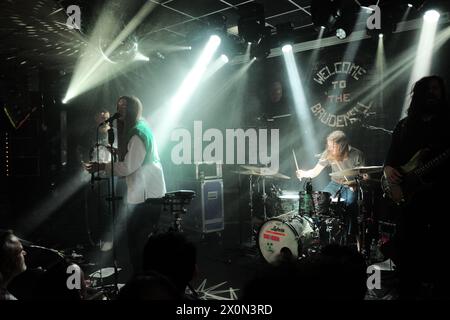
286	235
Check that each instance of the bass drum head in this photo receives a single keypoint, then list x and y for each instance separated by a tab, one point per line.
283	233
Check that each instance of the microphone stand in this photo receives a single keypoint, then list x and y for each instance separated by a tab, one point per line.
377	128
112	200
359	121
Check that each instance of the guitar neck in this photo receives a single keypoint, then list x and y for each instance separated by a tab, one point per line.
425	169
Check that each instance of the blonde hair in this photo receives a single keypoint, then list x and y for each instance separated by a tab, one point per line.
338	137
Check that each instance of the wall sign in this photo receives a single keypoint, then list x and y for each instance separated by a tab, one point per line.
337	86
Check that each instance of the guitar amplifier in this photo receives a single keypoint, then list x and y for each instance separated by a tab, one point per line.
206	212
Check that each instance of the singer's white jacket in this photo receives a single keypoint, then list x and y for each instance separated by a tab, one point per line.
143	180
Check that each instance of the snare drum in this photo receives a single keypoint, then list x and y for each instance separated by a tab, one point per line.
288	232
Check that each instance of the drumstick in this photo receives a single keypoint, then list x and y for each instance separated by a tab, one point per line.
295	159
296	164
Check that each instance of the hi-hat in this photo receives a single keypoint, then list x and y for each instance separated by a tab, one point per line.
357	171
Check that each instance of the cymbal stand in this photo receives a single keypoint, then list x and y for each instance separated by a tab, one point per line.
250	179
361	237
264	197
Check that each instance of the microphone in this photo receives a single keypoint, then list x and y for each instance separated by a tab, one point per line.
110	119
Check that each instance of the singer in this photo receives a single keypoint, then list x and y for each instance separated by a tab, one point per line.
139	163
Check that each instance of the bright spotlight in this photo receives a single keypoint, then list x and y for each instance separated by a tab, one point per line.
322	27
286	48
424	54
173	110
410	5
300	103
214	40
431	16
224	58
341	34
65	100
140	57
380	36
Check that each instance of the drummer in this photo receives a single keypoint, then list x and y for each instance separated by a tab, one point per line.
340	156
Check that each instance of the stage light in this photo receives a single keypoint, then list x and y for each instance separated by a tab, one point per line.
285	33
286	48
110	49
64	101
341	34
380	36
410	5
214	41
174	109
262	49
431	16
224	58
230	47
251	22
424	53
324	13
299	98
140	57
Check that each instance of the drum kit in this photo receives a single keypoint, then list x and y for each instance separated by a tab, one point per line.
295	224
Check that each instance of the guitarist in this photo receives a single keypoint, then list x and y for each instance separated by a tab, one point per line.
421	227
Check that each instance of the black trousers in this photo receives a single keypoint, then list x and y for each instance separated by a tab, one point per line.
422	243
142	221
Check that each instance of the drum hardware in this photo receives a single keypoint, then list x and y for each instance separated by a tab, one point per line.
332	230
314	203
261	173
175	202
358	184
326	219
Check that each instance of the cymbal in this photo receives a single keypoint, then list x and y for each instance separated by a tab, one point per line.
357	171
263	171
266	174
366	182
254	168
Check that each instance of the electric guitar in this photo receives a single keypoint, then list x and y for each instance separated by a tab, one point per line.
413	173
